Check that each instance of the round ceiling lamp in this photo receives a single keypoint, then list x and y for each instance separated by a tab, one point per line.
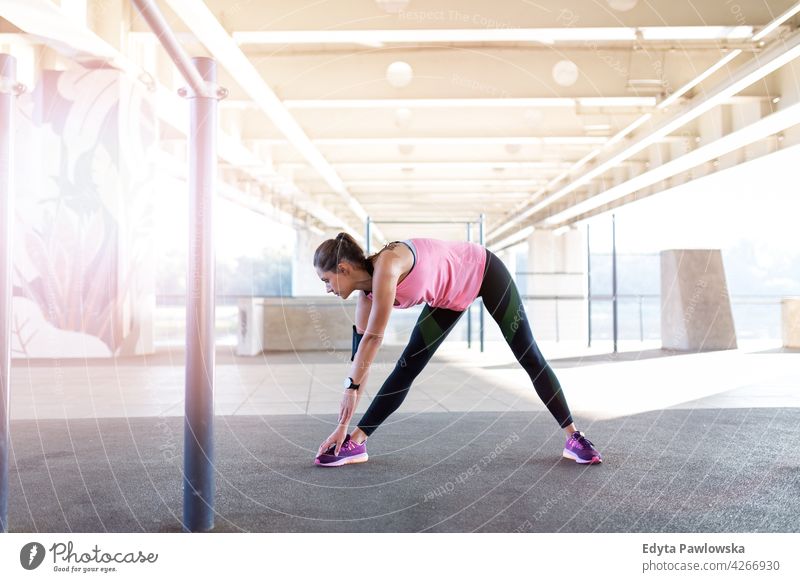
565	73
392	6
399	74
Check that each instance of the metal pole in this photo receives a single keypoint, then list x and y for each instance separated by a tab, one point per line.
155	20
589	281
614	276
641	323
481	235
454	221
198	443
198	484
9	89
369	233
469	309
558	336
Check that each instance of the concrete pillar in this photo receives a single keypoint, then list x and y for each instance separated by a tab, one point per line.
695	305
790	322
250	335
557	267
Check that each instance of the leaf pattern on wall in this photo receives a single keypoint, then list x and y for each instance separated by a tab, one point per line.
92	233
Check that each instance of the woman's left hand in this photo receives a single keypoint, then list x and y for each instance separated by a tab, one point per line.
335	440
348	406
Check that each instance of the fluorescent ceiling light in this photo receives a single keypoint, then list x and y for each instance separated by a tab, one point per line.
561	230
700	78
629	129
520	211
777	22
477	184
16	38
490	35
616	101
758	130
443	195
452	165
502	141
513	239
578	140
696	32
478	102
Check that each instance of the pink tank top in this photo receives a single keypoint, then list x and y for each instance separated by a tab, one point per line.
446	274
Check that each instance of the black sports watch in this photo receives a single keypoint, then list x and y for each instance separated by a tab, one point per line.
349	385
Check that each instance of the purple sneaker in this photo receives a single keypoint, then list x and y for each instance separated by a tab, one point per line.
350	452
581	450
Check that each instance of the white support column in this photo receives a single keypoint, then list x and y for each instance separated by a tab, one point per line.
712	126
788	78
678	148
558	264
509	258
658	154
744	114
619	175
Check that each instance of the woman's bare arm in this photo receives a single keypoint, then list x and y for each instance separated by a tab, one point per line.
363	309
384	286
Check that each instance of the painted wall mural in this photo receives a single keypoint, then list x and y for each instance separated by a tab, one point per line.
85	186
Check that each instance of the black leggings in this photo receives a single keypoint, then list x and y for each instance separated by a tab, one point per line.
501	298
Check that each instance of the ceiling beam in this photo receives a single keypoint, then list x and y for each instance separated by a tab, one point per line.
452	103
778	55
546	36
196	15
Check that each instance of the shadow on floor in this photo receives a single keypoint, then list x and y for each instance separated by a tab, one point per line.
779	351
579	361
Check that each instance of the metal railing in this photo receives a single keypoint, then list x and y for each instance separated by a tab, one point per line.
755	316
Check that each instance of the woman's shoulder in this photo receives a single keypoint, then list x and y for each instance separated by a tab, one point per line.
391	257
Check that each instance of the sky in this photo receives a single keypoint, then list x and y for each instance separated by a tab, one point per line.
238	230
757	201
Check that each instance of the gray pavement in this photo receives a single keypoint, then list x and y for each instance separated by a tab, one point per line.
676	470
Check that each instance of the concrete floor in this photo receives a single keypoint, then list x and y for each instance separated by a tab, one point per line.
597	383
692	442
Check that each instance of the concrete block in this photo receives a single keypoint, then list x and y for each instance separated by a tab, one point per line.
308	323
790	322
251	327
695	305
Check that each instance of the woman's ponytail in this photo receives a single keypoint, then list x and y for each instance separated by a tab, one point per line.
342	248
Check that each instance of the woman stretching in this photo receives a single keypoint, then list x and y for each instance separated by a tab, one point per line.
447	277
